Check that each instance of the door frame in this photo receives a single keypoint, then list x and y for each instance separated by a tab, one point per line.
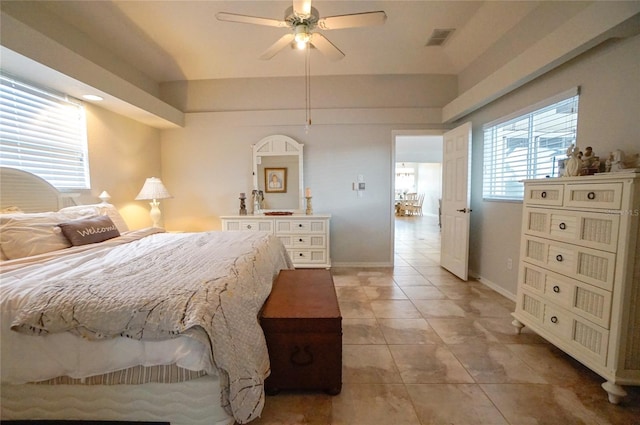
394	135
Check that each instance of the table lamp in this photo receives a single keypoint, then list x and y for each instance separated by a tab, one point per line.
153	189
105	197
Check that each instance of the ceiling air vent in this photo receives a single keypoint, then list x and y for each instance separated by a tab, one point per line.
439	36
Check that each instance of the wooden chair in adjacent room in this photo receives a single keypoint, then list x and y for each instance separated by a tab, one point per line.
407	204
415	206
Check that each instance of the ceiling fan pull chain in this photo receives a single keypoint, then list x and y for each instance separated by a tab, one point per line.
307	83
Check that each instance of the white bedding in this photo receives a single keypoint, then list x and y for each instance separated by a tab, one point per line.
27	358
65	354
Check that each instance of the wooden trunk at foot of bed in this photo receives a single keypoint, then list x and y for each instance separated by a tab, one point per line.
303	328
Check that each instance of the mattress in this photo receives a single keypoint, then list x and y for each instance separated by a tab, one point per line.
192	402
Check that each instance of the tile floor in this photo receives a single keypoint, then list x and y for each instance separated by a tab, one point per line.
423	347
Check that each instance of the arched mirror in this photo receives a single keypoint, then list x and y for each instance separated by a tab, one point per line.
277	172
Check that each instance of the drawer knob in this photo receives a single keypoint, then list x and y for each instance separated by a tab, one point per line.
562	226
591	195
299	225
559	258
543	195
248	226
556	289
300	240
301	255
554	319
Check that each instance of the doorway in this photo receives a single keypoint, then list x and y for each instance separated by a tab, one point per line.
417	166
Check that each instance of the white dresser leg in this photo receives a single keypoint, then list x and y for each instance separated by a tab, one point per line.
615	392
519	325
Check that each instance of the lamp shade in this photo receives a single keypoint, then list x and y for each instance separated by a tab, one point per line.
104	196
153	189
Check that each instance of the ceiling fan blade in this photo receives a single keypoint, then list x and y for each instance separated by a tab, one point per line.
244	19
283	42
326	47
365	19
302	7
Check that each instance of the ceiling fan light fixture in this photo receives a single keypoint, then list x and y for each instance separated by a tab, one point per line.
302	36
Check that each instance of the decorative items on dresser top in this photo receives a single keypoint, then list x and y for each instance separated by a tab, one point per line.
306	237
579	275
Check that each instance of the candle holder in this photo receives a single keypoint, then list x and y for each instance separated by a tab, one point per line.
243	207
309	210
257	197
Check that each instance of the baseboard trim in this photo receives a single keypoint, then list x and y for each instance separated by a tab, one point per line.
499	289
363	265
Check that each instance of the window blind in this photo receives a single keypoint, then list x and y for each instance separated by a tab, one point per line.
43	133
528	145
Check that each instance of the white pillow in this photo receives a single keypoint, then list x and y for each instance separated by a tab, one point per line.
99	209
23	235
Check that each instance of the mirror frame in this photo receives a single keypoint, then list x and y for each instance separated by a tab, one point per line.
280	145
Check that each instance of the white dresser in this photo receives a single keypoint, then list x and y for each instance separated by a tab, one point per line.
306	237
579	276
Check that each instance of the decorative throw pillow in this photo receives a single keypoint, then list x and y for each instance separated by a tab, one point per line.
89	230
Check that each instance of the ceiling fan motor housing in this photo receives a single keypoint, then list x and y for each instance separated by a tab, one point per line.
294	20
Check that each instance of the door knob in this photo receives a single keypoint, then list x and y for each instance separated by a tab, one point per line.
464	210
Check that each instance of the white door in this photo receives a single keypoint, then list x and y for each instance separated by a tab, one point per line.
456	165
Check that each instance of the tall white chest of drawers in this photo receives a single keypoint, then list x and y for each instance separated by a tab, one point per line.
306	237
579	275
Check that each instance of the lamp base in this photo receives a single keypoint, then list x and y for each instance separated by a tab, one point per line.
155	213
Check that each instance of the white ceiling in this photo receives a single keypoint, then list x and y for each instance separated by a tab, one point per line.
124	50
182	40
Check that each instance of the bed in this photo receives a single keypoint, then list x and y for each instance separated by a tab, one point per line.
103	323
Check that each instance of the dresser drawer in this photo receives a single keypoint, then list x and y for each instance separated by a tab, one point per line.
588	265
310	241
308	256
580	298
303	241
588	301
292	226
300	226
543	194
598	195
253	225
584	338
594	230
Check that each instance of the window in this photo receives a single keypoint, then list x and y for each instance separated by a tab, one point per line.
405	179
528	145
43	133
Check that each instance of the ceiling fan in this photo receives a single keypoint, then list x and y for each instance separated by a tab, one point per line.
302	19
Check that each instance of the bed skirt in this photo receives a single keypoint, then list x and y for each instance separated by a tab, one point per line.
194	402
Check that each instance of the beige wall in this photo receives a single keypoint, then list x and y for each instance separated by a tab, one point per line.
122	154
207	163
608	119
